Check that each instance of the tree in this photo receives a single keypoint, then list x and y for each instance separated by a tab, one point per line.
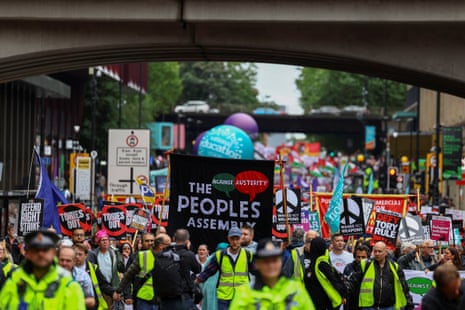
106	114
319	87
225	84
164	90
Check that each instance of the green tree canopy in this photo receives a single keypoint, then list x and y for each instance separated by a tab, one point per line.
320	87
222	84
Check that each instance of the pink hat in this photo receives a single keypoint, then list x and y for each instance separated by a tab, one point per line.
101	234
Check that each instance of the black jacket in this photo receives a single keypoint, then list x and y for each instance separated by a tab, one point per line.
434	300
191	266
350	271
383	290
313	286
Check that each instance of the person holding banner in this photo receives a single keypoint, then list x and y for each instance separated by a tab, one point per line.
449	293
421	260
381	283
271	289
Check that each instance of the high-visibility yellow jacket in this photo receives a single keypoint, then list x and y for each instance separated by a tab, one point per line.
232	276
287	293
366	298
333	294
102	304
56	290
146	263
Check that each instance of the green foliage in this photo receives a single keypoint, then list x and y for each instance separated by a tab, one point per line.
164	89
106	114
226	85
320	87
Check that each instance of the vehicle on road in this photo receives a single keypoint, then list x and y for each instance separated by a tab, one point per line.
193	106
326	109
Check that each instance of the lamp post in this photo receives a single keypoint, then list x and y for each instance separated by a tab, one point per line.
76	128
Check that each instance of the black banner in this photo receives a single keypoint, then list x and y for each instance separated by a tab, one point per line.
294	210
451	151
208	196
352	219
30	216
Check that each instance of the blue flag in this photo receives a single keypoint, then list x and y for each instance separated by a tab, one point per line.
333	215
51	196
370	184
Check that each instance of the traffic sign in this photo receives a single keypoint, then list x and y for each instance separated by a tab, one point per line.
128	158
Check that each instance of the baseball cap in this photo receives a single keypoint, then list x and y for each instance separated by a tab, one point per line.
42	239
235	232
268	248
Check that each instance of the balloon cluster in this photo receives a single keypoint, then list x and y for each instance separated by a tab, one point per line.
232	140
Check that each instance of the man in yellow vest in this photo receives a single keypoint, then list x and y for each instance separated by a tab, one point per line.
382	283
39	283
99	283
234	264
140	273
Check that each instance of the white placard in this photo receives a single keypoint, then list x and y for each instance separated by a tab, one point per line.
83	175
128	158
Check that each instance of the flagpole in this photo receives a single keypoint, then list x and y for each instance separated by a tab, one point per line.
283	189
30	173
165	191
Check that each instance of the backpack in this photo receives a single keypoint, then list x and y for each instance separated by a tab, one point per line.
168	275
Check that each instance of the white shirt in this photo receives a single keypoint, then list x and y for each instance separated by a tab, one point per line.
104	263
339	261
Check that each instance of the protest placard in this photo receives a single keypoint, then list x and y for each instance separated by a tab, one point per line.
385	228
140	219
30	216
72	216
440	228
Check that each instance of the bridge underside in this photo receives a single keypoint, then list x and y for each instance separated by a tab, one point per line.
420	42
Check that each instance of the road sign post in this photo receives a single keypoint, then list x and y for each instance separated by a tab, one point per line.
128	159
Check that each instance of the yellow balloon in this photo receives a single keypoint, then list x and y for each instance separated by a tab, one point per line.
360	158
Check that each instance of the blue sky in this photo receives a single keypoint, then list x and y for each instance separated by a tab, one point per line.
278	82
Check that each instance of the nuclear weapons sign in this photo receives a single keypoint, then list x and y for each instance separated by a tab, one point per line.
352	220
210	195
411	229
292	204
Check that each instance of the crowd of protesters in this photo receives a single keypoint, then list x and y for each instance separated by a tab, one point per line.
158	271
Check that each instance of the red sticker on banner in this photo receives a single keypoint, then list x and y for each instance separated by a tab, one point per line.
251	183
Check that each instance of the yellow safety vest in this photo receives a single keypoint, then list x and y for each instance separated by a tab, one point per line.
7	268
333	294
231	276
146	263
102	304
366	298
298	268
56	290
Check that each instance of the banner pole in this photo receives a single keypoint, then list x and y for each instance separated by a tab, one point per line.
418	201
284	191
134	239
165	191
311	198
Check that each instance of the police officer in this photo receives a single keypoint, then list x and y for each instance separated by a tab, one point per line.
39	283
271	289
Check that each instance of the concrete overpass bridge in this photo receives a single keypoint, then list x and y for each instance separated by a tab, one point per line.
420	42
